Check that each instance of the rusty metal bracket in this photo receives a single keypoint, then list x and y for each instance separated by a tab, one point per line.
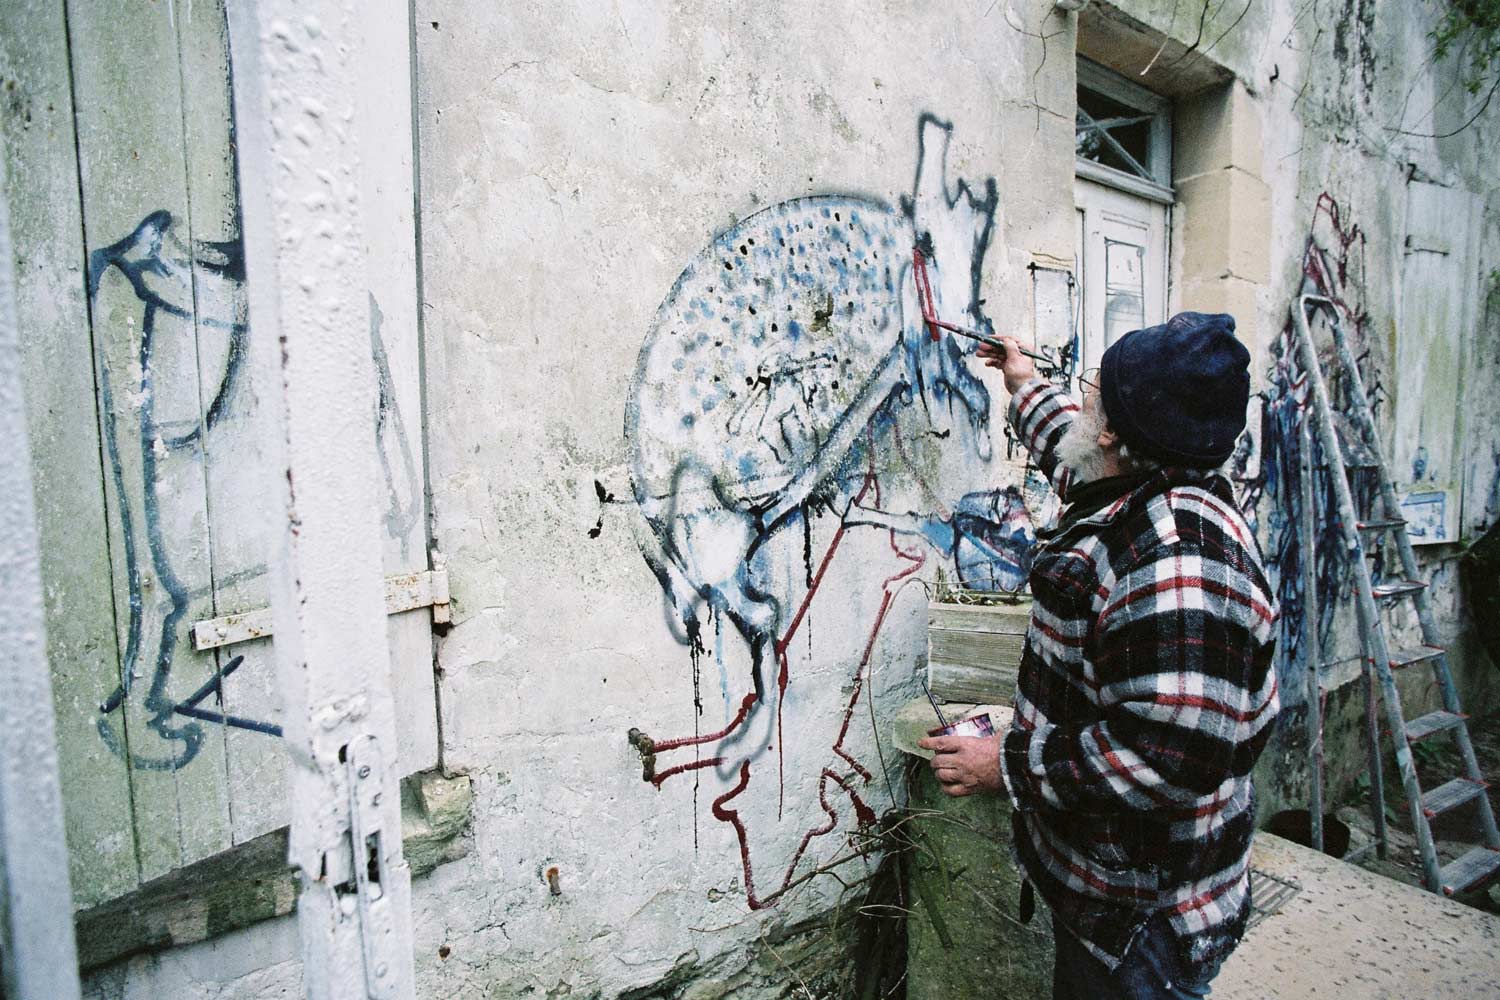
647	749
404	592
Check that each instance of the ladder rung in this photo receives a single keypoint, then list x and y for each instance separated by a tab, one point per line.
1451	795
1433	722
1381	525
1416	654
1397	588
1470	871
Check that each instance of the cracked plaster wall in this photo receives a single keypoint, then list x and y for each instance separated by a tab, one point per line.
572	164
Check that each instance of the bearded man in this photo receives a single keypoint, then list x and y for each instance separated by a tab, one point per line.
1146	691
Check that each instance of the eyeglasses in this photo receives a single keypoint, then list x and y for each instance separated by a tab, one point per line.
1089	380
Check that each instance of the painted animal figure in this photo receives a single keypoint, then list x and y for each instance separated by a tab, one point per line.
773	371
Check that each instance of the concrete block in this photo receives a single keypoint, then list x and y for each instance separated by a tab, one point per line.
435	812
963	938
1225	222
1215	130
1228	294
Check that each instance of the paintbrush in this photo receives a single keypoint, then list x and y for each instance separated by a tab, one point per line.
998	344
933	702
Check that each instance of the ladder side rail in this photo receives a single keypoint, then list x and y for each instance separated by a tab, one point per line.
1369	613
1430	635
1311	647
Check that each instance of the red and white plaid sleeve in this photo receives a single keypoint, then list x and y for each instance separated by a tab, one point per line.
1040	414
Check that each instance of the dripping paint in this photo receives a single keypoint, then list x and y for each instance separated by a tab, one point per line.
1266	462
791	407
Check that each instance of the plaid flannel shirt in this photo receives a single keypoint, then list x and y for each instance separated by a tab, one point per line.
1145	695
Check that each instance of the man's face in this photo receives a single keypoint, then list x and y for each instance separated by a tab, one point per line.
1079	448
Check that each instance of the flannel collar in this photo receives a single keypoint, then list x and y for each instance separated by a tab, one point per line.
1136	494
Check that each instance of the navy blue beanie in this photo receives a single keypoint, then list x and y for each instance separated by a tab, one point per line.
1178	392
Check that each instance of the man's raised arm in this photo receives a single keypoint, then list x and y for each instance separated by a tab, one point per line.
1039	411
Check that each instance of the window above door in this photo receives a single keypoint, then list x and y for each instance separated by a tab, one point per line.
1123	134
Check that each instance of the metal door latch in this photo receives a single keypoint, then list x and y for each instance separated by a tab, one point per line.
367	835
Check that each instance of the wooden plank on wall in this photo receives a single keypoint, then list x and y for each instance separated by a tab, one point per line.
234	440
1438	292
37	116
135	176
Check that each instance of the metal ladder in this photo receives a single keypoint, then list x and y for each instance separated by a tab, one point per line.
1481	863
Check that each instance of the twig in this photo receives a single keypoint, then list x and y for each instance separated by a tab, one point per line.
1234	25
1472	119
782	962
1167	37
1202	20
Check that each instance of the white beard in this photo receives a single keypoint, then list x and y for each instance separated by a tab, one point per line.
1079	448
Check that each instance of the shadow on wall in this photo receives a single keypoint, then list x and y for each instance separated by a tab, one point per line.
788	373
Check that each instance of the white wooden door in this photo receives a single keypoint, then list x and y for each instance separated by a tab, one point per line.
1122	265
147	440
1438	296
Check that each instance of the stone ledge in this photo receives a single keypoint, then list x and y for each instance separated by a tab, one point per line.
253	882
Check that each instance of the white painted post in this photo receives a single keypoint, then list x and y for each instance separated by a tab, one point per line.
37	953
296	86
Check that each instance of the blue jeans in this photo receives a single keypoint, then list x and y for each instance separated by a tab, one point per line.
1151	970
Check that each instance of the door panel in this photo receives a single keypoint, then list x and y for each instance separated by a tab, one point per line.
1438	292
1122	265
150	467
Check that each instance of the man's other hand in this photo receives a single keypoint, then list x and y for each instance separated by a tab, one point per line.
1015	366
965	764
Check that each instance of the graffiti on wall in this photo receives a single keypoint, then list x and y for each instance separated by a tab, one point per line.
1266	465
786	379
172	379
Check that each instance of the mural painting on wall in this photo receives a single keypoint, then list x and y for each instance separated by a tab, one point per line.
1266	465
788	382
173	386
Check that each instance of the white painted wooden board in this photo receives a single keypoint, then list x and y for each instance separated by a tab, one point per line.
974	651
1438	313
185	514
36	121
134	165
37	954
387	204
299	82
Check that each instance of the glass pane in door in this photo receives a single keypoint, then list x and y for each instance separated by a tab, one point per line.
1124	289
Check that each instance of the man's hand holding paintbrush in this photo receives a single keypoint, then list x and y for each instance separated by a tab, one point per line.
1005	355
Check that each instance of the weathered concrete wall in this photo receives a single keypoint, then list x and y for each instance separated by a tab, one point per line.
619	368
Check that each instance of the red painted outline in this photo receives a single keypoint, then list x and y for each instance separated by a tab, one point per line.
916	558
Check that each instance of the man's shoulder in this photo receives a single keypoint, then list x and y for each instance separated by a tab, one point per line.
1190	515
